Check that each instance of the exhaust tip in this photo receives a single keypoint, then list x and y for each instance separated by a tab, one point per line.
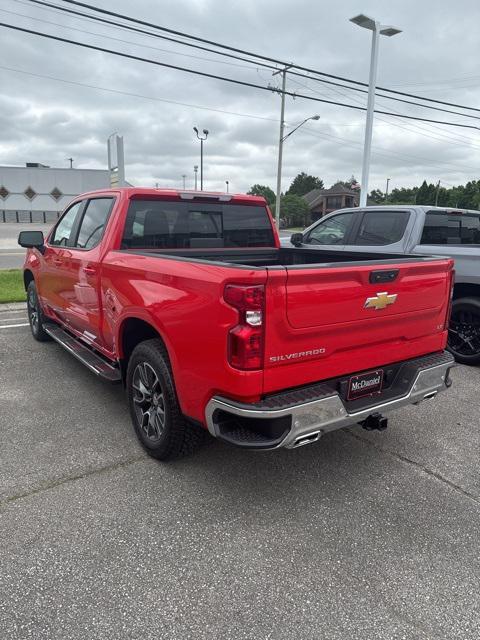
307	438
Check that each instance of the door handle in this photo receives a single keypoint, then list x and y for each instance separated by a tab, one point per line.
57	261
89	271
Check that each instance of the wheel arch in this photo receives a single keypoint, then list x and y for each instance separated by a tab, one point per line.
466	290
132	331
27	278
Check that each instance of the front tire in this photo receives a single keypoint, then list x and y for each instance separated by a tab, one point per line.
464	331
154	409
35	315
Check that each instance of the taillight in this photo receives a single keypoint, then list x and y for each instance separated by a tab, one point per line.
246	339
449	310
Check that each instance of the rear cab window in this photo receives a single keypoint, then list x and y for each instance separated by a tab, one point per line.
450	227
161	224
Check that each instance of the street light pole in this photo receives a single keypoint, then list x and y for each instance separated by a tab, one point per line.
205	136
227	183
377	29
195	171
184	178
386	190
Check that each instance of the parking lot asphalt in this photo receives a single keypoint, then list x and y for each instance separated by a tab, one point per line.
359	536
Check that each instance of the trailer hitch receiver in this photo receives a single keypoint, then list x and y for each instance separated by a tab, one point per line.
375	422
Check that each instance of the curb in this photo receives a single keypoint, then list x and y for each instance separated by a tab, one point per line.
13	306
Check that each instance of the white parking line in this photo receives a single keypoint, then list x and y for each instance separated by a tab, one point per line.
9	326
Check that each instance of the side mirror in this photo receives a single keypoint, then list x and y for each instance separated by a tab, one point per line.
31	239
296	239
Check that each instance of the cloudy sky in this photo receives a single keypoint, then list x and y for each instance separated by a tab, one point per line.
58	100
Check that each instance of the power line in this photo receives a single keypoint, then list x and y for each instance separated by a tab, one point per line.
277	62
421	130
117	25
138	44
383	152
259	56
137	95
224	78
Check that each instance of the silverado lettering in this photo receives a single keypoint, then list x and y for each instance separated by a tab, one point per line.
301	354
182	295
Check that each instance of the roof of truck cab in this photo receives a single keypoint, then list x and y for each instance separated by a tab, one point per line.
183	194
417	207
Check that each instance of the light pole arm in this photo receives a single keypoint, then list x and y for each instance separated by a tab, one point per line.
293	130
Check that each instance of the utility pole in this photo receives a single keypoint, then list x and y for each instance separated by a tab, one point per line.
184	178
195	171
280	145
436	193
386	191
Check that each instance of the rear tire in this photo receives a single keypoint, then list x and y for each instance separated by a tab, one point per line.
35	315
464	331
154	408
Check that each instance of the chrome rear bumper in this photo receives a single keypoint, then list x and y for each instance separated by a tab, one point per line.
304	422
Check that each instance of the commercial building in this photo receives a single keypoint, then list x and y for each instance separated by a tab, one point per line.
323	201
39	193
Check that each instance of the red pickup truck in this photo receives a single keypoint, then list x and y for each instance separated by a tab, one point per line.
188	298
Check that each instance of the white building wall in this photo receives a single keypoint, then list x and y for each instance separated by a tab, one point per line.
70	182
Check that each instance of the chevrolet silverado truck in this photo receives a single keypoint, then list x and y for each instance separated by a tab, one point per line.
189	300
416	230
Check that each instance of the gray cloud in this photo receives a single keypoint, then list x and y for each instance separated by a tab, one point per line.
47	121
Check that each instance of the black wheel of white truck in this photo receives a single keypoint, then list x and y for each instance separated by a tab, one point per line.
154	409
35	316
464	331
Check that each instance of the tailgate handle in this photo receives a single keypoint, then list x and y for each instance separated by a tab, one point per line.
383	276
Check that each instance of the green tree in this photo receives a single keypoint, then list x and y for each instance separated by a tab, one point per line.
303	183
294	211
470	195
426	194
351	183
262	190
376	196
403	195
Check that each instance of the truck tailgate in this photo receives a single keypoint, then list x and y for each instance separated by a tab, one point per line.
332	320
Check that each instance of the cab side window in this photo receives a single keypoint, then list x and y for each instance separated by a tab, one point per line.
382	227
61	237
331	231
93	222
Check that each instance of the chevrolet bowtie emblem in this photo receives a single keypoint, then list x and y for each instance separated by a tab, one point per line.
380	301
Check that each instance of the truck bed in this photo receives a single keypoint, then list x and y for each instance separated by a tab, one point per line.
282	257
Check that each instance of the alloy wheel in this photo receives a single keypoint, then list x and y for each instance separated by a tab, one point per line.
33	310
464	332
149	402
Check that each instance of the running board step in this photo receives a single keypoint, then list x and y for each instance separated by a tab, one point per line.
89	358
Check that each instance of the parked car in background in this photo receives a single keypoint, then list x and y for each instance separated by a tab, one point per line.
410	230
187	298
